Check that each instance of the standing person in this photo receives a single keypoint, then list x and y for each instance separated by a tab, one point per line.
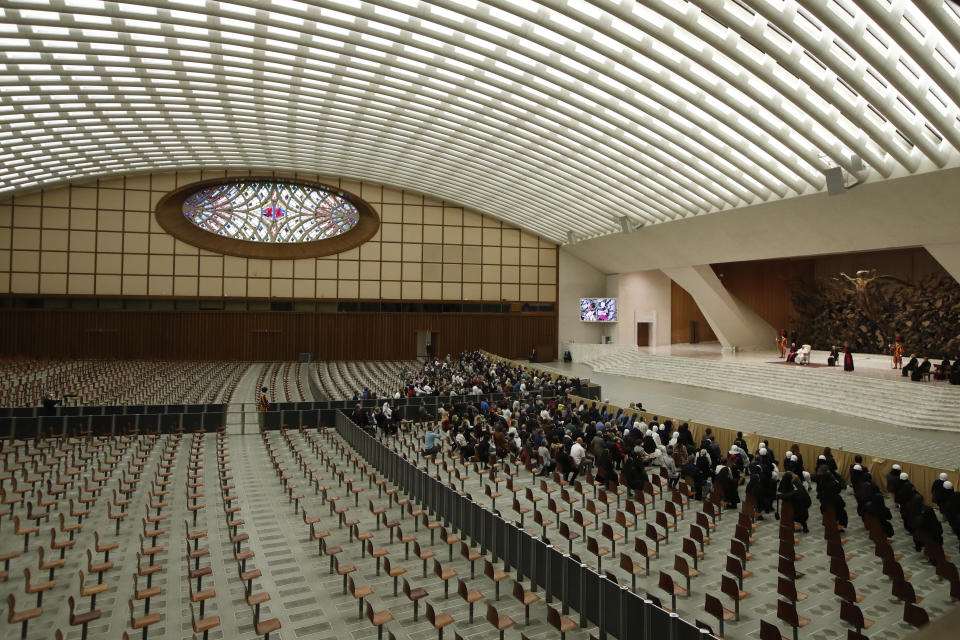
782	344
833	357
263	402
896	350
847	358
577	454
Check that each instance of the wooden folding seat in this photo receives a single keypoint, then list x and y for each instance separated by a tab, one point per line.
499	622
36	587
788	589
22	617
681	566
444	574
715	608
526	598
770	631
439	621
903	590
49	565
852	615
359	593
26	532
654	536
786	567
787	612
143	622
607	532
496	575
470	596
414	595
449	539
728	587
604	498
915	616
666	584
561	623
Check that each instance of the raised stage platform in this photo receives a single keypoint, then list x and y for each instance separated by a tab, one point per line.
872	409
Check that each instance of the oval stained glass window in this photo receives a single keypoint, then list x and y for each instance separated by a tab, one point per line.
271	212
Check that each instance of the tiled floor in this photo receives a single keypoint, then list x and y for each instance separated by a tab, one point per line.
309	602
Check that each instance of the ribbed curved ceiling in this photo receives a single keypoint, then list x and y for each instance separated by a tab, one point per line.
553	116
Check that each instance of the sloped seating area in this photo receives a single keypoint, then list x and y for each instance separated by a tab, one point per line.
118	382
918	405
285	382
343	380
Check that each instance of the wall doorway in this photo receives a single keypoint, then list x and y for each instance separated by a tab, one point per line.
427	343
643	334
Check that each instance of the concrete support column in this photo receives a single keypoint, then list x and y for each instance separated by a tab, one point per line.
737	326
948	255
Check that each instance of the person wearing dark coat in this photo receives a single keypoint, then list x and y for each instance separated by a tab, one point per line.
936	491
876	506
847	359
917	374
828	492
791	490
910	512
905	490
910	366
927	528
725	479
893	479
691	470
755	486
684	437
955	372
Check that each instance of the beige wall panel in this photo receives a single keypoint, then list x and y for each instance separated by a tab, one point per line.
412	233
25	261
53	262
390	251
163	181
412	198
432	214
57	197
528	292
25	217
209	287
472	235
410	272
453	215
304	288
547	293
4	260
453	235
211	266
234	267
26	239
471	273
161	265
235	287
472	255
160	243
528	256
370	251
257	268
352	254
412	252
281	269
110	220
83	241
548	257
141	181
510	292
306	268
138	201
452	273
432	291
529	275
109	263
353	186
390	290
433	234
432	272
371	192
186	266
433	253
452	254
348	289
54	240
83	197
491	237
82	262
349	270
491	222
548	275
491	255
472	291
412	214
391	213
491	291
28	283
79	284
185	249
510	255
452	291
327	269
258	287
136	242
109	285
370	289
509	273
110	183
369	271
392	196
411	291
186	177
528	239
56	218
282	288
53	283
391	232
510	238
6	214
111	199
491	273
136	264
111	241
472	219
136	221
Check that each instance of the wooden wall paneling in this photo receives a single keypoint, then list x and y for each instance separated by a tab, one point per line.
683	309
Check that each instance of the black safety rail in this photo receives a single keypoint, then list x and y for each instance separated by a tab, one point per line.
615	610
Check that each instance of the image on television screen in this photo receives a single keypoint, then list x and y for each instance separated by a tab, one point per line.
598	309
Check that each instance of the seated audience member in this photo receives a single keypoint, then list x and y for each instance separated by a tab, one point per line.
924	368
792	356
942	370
910	366
791	490
833	357
955	371
936	491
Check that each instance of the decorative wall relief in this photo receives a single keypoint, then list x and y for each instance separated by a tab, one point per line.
868	311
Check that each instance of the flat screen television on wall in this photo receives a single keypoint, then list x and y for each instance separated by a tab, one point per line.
598	309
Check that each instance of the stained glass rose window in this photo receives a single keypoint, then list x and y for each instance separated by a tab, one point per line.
271	212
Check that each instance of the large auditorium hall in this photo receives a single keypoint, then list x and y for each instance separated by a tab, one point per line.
516	319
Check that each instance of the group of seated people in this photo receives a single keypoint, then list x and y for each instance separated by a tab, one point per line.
917	370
